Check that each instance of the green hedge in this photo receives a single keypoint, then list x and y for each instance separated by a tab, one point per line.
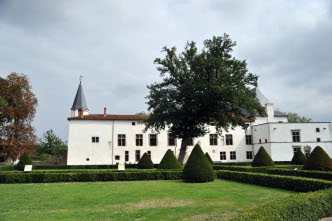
240	168
298	184
249	163
88	177
324	175
6	168
303	206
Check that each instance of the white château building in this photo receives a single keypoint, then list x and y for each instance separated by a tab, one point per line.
110	139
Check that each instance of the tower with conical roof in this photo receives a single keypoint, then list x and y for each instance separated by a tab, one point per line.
79	107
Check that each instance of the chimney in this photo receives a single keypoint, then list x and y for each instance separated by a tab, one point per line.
104	111
269	108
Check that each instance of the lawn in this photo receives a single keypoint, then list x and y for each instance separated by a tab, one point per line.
136	200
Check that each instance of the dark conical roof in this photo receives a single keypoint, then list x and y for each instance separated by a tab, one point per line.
79	102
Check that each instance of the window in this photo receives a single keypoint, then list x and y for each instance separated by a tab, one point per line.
233	155
296	136
149	154
171	140
260	140
248	140
153	139
126	156
318	139
117	157
139	139
229	139
296	149
121	140
223	155
138	155
222	140
190	142
95	139
317	130
213	139
249	155
265	140
133	123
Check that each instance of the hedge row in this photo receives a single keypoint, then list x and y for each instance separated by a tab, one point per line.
324	175
88	177
249	163
303	206
297	184
7	168
240	168
89	171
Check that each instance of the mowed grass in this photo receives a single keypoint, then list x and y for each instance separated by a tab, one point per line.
135	200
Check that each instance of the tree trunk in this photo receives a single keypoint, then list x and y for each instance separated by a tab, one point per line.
183	150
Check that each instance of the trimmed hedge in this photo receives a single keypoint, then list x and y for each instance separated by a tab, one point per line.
304	206
262	159
6	168
297	184
318	160
145	162
24	160
88	177
323	175
208	157
241	168
169	161
198	169
299	158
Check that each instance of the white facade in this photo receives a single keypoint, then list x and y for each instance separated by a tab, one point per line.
93	139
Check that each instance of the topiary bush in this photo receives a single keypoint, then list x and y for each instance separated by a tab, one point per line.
25	160
169	161
262	159
208	157
318	160
145	162
299	158
197	169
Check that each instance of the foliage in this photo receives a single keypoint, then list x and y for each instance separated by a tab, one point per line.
17	116
200	87
169	161
305	206
45	157
240	168
298	184
295	118
208	157
318	160
198	169
141	113
145	162
299	158
323	175
51	144
262	159
25	160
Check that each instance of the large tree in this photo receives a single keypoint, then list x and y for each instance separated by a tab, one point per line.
295	118
51	144
199	88
3	102
16	117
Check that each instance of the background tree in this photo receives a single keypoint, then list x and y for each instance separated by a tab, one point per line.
295	118
141	113
16	117
3	102
199	88
51	144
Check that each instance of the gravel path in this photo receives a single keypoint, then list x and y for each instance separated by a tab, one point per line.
326	219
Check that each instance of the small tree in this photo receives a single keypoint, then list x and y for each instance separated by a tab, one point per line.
208	157
169	161
318	160
295	118
197	169
145	162
299	158
51	144
262	159
25	160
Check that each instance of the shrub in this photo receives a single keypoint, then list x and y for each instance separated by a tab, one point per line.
25	160
318	160
169	161
208	157
299	158
303	206
241	168
198	169
262	159
145	162
323	175
45	157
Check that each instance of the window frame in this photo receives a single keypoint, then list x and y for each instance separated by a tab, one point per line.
139	140
95	139
169	137
294	136
249	155
137	153
223	155
232	154
126	155
229	139
248	139
122	140
150	139
213	139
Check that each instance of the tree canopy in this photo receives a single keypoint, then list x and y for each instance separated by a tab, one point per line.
16	117
51	144
295	118
199	88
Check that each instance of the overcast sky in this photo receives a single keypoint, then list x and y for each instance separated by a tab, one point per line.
113	45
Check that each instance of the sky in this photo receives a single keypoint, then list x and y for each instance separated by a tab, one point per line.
113	45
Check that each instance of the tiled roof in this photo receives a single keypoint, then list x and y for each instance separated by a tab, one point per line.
110	117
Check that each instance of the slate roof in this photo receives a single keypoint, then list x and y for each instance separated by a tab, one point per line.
79	102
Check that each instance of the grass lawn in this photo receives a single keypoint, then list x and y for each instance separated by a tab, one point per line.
136	200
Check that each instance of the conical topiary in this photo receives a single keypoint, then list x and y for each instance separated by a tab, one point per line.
299	158
169	161
145	162
208	157
262	159
318	160
24	160
197	169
